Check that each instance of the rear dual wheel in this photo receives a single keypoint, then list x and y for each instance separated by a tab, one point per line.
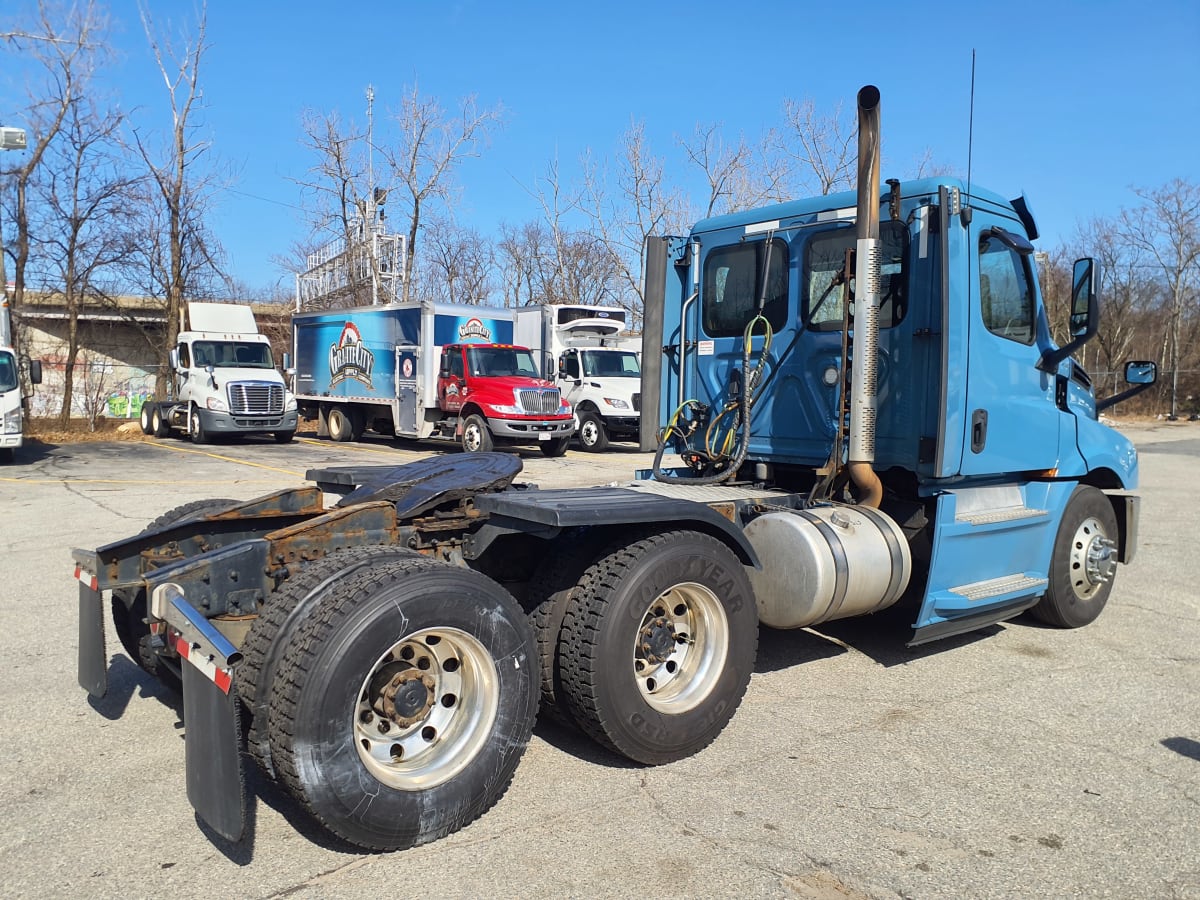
411	684
344	423
657	645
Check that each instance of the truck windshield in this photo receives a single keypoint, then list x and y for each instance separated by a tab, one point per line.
232	355
493	362
8	372
611	364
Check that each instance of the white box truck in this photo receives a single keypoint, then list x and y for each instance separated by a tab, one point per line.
596	363
225	380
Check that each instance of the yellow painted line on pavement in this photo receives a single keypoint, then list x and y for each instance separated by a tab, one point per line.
326	445
69	480
242	462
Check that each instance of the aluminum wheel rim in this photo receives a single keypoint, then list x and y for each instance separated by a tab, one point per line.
680	649
1092	561
589	432
422	745
472	437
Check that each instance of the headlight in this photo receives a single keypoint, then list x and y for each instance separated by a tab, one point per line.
12	421
616	403
289	405
507	410
216	404
564	405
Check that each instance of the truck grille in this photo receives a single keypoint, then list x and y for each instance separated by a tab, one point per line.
255	398
539	401
637	402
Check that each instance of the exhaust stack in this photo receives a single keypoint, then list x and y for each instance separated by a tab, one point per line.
865	349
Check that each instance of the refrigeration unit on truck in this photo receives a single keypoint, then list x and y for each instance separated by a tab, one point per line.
588	352
869	410
14	407
426	370
224	380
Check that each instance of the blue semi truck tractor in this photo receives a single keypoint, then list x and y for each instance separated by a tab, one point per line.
863	408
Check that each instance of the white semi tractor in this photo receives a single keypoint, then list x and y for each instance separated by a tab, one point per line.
225	380
588	352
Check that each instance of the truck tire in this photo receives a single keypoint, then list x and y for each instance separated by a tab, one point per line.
196	426
555	447
6	455
404	702
547	597
341	424
657	680
158	422
286	608
592	434
145	417
476	437
129	607
284	437
1083	562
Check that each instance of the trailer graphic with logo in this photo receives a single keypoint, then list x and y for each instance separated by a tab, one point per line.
380	367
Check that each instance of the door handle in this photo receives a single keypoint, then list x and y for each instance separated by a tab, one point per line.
978	430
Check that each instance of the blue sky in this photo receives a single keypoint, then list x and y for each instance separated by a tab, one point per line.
1074	103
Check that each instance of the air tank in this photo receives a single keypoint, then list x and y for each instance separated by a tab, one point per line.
828	562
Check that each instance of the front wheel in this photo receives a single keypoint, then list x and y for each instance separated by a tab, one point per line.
555	447
1083	563
145	417
593	436
284	437
196	426
476	436
658	644
404	703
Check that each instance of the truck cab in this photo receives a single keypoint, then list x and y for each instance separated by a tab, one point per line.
12	404
496	395
225	380
604	385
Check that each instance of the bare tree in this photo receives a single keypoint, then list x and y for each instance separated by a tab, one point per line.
640	203
520	254
60	42
725	168
85	233
1166	228
457	264
183	257
819	146
430	146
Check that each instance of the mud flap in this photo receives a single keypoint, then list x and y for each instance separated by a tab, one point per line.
212	725
93	656
215	779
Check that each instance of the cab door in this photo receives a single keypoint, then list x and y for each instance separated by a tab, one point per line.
1011	421
451	379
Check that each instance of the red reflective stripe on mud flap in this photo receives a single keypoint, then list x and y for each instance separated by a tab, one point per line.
218	676
91	580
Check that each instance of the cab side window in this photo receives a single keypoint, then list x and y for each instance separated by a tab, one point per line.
1005	291
454	363
571	364
185	356
734	283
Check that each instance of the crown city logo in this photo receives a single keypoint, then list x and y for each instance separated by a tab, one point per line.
474	329
349	359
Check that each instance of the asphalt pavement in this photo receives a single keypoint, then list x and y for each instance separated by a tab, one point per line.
1017	761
